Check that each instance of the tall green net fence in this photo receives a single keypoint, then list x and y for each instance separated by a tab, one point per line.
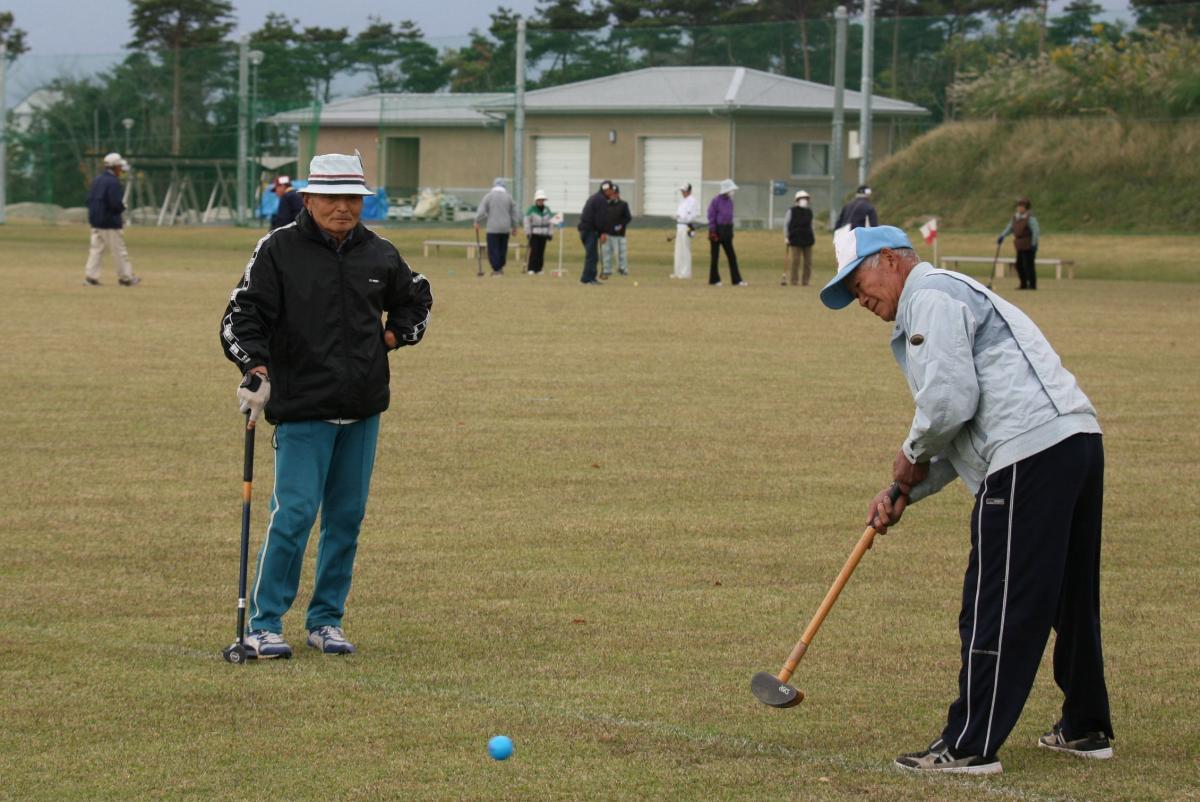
434	119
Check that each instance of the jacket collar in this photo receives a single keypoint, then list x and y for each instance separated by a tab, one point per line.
312	231
920	271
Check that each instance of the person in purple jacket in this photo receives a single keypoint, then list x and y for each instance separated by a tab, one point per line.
720	235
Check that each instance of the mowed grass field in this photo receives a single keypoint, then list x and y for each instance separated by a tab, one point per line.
596	512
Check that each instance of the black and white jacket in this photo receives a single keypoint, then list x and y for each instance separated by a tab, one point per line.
314	314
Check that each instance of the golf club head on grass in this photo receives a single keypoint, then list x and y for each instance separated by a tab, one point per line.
235	654
768	689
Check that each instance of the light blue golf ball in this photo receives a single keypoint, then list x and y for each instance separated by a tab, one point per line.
500	747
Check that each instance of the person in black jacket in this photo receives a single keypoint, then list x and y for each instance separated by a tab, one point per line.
290	202
860	212
798	230
320	305
105	203
612	241
591	228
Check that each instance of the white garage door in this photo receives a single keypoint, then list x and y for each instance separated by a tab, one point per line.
668	163
562	165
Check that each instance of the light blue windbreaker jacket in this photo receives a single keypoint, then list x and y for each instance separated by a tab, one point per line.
989	389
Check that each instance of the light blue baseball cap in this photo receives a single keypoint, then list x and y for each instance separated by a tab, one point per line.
852	245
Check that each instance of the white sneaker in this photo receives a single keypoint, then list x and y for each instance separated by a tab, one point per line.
742	284
263	645
330	640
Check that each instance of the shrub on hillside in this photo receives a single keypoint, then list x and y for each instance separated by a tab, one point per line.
1150	74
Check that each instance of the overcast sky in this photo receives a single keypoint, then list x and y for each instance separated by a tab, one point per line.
102	26
92	27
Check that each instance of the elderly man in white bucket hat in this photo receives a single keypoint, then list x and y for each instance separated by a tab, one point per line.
720	235
996	408
310	325
106	204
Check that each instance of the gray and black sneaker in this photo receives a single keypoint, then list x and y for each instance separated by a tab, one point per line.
91	282
329	640
132	281
937	758
1095	745
264	645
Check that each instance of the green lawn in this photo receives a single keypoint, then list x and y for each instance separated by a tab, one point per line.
596	513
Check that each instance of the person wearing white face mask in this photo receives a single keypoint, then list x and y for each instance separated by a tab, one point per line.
798	230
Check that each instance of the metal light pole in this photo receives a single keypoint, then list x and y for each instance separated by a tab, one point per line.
839	112
243	81
128	123
519	121
864	117
3	131
255	57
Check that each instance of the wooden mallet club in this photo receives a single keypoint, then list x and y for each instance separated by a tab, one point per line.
773	689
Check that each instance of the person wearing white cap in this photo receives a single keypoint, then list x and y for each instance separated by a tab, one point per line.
539	230
798	234
290	203
686	214
996	408
720	235
319	307
498	211
106	203
860	212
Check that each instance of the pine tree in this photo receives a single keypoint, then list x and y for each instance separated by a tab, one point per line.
168	28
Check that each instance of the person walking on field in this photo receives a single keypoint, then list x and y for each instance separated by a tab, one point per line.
498	211
592	221
996	408
106	204
860	212
319	307
686	214
614	248
539	230
798	231
720	235
290	203
1025	230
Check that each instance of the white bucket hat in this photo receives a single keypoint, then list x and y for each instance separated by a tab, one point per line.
539	195
728	186
113	160
336	174
802	194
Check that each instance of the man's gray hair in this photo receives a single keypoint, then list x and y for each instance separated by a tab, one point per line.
872	261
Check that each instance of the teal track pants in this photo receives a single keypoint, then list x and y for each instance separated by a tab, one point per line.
318	466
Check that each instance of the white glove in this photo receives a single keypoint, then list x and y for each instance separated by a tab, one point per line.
253	393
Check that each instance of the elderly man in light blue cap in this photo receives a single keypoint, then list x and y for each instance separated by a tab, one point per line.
996	408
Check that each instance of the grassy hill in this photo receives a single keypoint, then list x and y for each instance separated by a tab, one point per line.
1081	174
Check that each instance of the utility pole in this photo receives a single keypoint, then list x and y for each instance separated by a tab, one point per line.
3	131
243	113
519	121
868	68
839	113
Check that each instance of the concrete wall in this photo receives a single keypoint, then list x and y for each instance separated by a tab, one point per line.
450	157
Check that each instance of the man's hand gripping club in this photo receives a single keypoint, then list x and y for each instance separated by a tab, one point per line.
253	393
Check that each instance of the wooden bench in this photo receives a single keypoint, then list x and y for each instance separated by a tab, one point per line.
1009	263
437	245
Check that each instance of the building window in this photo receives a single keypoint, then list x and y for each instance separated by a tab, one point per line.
810	158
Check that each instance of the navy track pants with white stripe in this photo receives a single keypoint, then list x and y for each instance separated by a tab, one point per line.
1034	565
